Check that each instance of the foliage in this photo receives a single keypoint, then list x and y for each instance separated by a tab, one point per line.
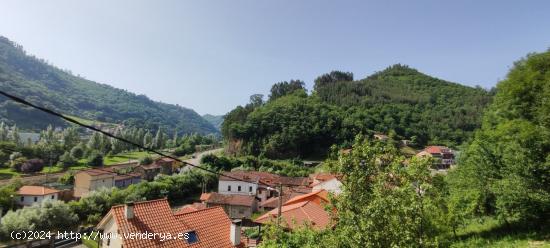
284	88
44	84
385	202
506	169
292	168
95	160
67	178
66	160
50	215
215	120
32	165
77	152
397	100
6	195
146	160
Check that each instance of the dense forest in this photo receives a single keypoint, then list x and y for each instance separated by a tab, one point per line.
41	83
398	101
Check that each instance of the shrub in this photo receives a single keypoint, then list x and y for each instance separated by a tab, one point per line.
146	160
32	165
95	160
77	152
66	160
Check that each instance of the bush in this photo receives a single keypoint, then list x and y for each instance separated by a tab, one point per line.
17	163
67	178
95	160
77	152
66	160
32	165
146	160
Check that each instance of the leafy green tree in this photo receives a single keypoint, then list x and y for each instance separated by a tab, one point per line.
505	170
77	152
334	76
146	160
148	140
70	137
66	160
95	159
280	89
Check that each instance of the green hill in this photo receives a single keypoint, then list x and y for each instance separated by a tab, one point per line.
399	101
215	120
40	83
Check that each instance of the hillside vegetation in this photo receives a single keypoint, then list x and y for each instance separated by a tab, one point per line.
43	84
399	101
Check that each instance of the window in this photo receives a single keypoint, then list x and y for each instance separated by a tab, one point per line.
239	188
228	187
191	237
35	199
22	198
249	188
53	197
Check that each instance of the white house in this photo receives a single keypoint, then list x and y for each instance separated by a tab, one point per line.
29	195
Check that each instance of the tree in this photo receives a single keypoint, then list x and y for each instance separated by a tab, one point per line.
506	168
94	143
3	132
159	141
77	152
256	100
66	160
284	88
14	135
70	137
17	162
32	165
95	159
146	160
333	76
148	140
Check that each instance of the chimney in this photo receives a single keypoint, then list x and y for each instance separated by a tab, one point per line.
129	210
235	232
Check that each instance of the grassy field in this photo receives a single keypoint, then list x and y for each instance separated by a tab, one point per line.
489	232
125	157
88	242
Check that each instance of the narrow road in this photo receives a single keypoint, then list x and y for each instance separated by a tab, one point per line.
197	159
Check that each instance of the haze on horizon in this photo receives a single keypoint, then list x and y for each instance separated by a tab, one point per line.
211	56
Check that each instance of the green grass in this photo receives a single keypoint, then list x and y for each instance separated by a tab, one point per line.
125	157
488	232
7	173
90	243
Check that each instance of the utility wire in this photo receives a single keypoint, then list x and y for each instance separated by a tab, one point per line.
74	121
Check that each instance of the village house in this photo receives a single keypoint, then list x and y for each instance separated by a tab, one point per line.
326	181
381	137
86	181
236	206
308	209
209	227
29	195
255	183
443	157
159	166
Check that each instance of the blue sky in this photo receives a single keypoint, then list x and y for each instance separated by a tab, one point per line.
212	55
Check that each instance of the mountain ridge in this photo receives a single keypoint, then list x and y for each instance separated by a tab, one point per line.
41	83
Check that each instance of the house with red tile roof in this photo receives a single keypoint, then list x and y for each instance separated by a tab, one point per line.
307	209
29	195
236	206
254	183
191	208
86	181
153	224
442	156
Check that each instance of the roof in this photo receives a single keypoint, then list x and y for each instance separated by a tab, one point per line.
295	215
36	190
165	159
235	200
211	225
263	177
150	166
97	172
437	149
126	176
319	196
191	208
273	202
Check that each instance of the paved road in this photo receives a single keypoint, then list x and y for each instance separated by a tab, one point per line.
197	159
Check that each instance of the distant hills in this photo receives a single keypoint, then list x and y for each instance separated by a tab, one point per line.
41	83
399	101
215	120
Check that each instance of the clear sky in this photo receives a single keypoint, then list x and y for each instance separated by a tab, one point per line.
212	55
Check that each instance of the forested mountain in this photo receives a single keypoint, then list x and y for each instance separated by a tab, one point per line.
40	83
399	101
215	120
